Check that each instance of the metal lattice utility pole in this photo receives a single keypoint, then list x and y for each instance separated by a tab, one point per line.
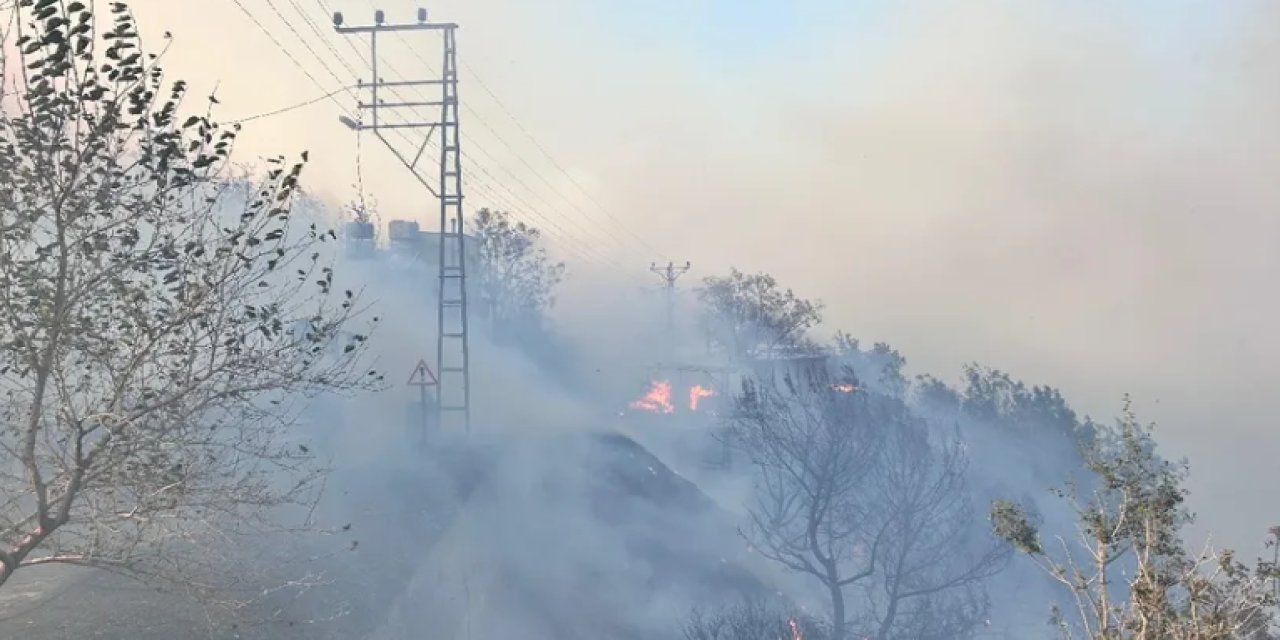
669	275
453	393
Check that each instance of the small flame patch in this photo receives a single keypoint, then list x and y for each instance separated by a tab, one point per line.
696	393
657	400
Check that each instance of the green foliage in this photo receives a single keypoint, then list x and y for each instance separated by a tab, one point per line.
517	278
750	316
935	394
881	365
1012	524
992	396
146	298
1133	521
988	395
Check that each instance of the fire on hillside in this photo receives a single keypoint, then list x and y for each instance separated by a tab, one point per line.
658	399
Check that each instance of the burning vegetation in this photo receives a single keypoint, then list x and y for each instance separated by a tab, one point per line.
795	630
658	398
696	393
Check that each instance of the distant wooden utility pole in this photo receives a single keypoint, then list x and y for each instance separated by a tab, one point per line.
669	275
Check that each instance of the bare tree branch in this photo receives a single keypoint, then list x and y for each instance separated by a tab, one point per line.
851	490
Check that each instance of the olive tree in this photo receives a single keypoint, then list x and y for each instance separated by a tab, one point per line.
1128	569
159	319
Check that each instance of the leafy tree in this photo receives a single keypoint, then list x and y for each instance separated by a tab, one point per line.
517	278
934	394
147	363
992	396
852	492
1130	573
881	364
750	316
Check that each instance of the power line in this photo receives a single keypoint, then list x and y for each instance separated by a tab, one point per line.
285	51
289	25
541	148
529	206
549	157
520	157
585	249
347	41
540	176
292	107
311	24
476	145
578	248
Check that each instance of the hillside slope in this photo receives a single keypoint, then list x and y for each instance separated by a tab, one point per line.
573	537
582	536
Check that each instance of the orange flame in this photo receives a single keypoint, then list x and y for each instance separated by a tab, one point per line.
657	400
696	393
795	630
844	388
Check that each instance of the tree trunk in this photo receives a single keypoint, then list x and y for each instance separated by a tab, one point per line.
837	610
886	623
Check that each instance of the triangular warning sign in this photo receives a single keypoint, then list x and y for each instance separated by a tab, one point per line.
422	375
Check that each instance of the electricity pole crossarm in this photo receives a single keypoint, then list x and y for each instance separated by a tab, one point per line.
421	26
453	390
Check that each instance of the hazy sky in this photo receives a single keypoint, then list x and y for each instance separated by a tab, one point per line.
1082	193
